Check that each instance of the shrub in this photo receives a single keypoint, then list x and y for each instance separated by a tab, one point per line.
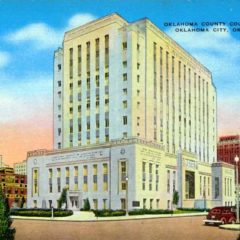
86	206
6	231
63	198
175	198
33	212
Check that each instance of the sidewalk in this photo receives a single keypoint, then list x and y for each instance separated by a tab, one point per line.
234	227
81	216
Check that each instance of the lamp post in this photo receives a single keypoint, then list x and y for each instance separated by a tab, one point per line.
126	195
236	159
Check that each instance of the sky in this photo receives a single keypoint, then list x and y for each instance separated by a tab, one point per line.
31	30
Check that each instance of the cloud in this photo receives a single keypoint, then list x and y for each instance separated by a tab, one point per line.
40	34
228	116
80	19
29	99
218	51
43	36
4	59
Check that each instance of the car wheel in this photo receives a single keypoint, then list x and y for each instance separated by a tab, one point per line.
232	221
223	221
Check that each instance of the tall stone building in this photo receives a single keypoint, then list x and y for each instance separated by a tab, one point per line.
114	79
134	121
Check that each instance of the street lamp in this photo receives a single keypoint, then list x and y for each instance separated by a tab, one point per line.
126	195
236	159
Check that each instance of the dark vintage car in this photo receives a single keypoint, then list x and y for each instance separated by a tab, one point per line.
221	215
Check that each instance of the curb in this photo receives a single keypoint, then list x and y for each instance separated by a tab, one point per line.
230	228
102	219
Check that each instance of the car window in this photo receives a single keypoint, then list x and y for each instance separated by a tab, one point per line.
216	211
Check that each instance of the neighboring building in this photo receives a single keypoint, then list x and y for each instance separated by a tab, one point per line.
2	164
223	175
227	149
14	186
133	113
21	168
122	80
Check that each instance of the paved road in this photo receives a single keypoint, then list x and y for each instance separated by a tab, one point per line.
184	228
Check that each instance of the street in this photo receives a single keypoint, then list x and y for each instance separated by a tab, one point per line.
186	228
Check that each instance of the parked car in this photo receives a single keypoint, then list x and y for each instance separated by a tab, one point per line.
221	215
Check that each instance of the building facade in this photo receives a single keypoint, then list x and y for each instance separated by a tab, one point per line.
228	148
111	175
134	121
123	80
20	168
14	187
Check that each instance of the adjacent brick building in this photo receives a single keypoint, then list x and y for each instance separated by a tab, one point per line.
14	186
228	148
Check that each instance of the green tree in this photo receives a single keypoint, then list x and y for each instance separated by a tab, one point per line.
22	202
175	198
6	231
86	206
63	198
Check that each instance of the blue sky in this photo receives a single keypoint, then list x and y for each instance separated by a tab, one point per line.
31	30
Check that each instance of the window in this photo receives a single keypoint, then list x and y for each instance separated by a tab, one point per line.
85	178
95	204
125	135
59	67
125	77
125	91
124	64
124	45
138	78
59	84
144	203
104	203
174	181
71	62
50	175
124	120
95	177
123	175
143	175
106	51
124	104
106	122
105	177
97	80
106	138
168	181
150	176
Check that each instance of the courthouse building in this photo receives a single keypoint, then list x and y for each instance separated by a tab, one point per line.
134	120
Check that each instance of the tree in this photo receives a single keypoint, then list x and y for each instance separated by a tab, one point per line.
175	198
6	231
86	206
63	198
22	202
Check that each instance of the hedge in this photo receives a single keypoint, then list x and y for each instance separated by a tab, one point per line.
150	211
39	212
194	209
114	213
109	213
